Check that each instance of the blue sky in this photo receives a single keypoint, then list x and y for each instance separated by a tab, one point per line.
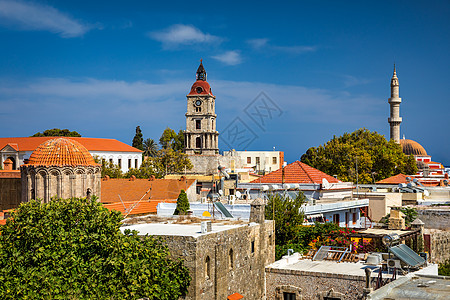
103	67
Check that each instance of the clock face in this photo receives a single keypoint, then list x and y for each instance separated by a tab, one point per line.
198	103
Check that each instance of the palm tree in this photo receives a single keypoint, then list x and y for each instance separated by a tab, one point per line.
150	147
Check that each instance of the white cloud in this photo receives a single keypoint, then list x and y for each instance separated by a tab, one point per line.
32	16
263	44
180	34
230	57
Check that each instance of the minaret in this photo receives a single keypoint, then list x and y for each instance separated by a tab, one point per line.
394	101
201	136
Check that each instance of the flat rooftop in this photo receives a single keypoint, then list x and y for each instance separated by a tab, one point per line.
179	227
326	267
421	287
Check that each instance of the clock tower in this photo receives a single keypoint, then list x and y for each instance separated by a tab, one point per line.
201	136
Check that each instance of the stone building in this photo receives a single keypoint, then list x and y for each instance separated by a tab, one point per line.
60	167
201	136
228	258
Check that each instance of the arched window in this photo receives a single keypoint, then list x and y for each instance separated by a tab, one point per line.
230	259
207	268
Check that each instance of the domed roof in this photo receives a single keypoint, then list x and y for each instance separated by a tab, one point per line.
411	147
61	152
200	87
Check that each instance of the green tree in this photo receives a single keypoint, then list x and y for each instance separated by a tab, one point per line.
179	141
182	204
287	214
410	215
73	249
57	132
362	152
168	138
150	147
138	140
166	161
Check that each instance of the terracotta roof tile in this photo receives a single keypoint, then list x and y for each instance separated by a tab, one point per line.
61	152
296	172
396	179
133	190
92	144
9	174
143	207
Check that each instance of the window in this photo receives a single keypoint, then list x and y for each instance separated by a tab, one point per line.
336	218
230	259
198	109
347	216
129	163
136	163
331	298
257	161
288	296
207	268
274	160
120	163
270	240
249	160
198	142
111	160
253	247
198	124
354	218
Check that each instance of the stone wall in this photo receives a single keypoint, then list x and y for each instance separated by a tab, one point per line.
312	284
226	262
435	218
208	164
10	193
439	246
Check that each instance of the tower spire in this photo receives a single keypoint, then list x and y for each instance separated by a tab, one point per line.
394	101
201	72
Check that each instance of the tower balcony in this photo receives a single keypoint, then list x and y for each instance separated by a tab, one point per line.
395	120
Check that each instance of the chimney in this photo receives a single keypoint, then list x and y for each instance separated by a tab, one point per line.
257	211
8	165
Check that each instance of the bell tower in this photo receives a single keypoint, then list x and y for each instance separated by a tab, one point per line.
201	136
395	100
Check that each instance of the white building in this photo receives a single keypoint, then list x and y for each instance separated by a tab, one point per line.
259	161
20	148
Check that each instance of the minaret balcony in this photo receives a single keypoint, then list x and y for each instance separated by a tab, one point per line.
395	100
395	120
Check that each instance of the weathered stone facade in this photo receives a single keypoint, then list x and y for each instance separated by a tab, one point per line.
437	218
314	285
10	190
438	243
226	262
44	182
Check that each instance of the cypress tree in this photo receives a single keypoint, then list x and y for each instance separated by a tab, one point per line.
182	204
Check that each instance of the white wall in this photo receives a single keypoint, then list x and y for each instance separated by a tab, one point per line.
123	156
265	159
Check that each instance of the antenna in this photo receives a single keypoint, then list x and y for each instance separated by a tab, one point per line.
325	184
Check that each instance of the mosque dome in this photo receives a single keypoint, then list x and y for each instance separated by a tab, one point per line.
61	152
412	147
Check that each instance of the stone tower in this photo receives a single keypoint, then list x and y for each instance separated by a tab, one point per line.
395	119
201	136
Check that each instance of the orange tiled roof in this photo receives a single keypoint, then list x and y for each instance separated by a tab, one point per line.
296	172
60	152
3	222
396	179
133	190
143	207
92	144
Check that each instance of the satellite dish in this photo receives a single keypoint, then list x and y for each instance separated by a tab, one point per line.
325	184
415	180
238	194
286	186
296	186
402	185
426	193
220	192
274	187
264	188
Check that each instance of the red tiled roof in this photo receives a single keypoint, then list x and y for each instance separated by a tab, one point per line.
143	207
205	88
92	144
396	179
61	152
296	172
3	222
133	190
